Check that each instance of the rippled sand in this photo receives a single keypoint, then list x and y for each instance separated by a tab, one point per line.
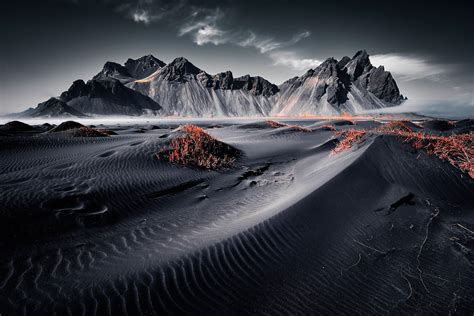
99	226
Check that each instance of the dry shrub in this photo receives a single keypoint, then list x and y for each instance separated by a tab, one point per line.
327	127
395	126
349	138
458	149
197	148
87	132
107	131
347	117
275	124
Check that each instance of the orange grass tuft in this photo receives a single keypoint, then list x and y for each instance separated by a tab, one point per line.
458	149
197	148
275	124
107	131
327	127
395	126
349	138
88	132
347	117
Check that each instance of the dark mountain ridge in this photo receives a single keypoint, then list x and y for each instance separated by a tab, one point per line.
148	85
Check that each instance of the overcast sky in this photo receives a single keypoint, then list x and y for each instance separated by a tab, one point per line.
47	44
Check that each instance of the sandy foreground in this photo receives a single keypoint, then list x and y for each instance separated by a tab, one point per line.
100	226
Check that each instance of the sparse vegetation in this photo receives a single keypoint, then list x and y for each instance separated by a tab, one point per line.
349	138
346	116
76	129
275	124
65	126
327	127
197	148
458	149
107	131
87	132
395	126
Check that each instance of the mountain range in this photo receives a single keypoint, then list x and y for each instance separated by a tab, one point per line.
148	86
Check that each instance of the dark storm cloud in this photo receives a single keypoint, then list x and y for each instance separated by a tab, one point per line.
426	45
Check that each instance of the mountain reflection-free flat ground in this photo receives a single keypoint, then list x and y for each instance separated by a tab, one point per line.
99	226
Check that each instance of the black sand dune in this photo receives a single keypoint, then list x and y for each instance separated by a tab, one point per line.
17	126
99	226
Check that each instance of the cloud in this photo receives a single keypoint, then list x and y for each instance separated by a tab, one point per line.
142	16
202	27
263	45
299	36
267	44
411	67
148	11
209	34
204	24
291	59
279	51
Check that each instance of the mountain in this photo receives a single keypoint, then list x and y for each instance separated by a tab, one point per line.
96	97
132	70
349	85
107	97
144	66
148	85
185	90
53	107
115	71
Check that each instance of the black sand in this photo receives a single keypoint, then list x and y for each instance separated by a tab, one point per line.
99	226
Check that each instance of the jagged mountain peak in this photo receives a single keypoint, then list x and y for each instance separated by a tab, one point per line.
183	62
226	81
328	67
147	59
358	65
361	54
144	66
255	85
343	62
179	69
113	70
223	80
350	84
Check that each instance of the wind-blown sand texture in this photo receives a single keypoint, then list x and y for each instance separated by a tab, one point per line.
100	226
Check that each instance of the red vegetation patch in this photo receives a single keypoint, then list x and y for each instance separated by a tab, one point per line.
458	149
349	138
107	131
395	126
66	126
87	132
348	117
327	127
275	124
197	148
